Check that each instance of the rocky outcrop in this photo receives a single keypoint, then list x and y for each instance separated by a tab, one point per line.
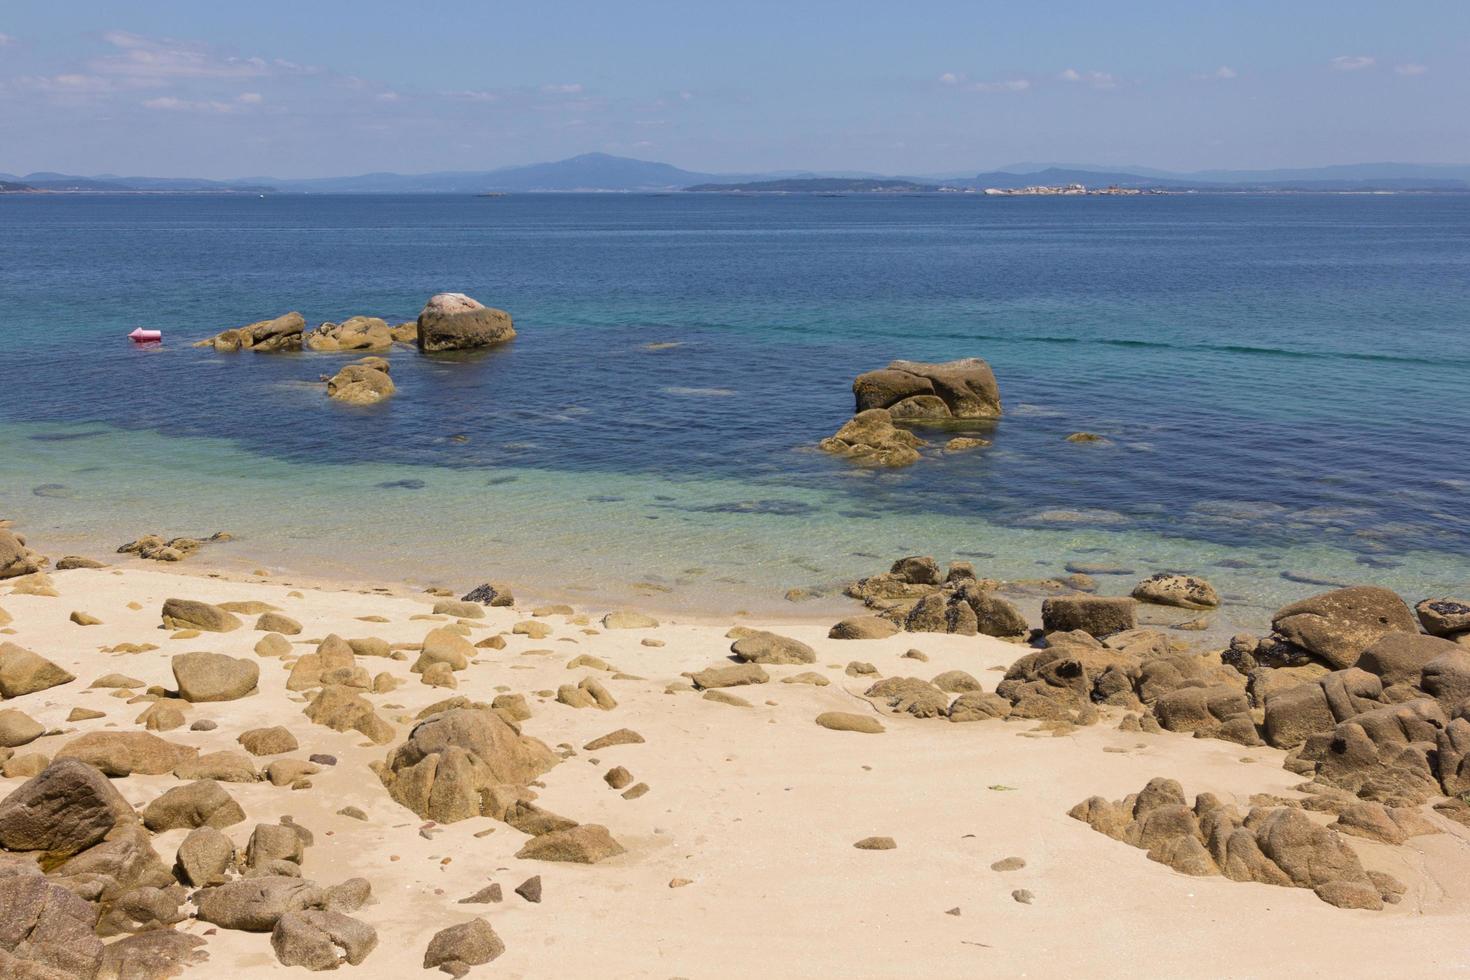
454	321
155	547
15	558
871	438
1445	617
461	763
1096	615
917	596
363	382
182	614
1336	627
964	389
1270	845
66	809
360	333
279	334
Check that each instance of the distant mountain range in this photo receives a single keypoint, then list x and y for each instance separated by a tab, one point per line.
602	172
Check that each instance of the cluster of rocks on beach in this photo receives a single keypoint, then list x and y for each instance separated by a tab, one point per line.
166	791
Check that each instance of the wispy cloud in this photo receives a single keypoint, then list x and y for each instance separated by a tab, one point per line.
250	98
168	103
1353	62
148	62
569	89
1009	85
1096	79
1411	69
1223	74
6	40
472	95
951	78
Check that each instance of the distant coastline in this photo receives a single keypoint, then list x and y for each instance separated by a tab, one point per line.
602	173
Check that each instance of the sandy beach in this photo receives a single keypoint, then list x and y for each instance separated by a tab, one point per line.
740	856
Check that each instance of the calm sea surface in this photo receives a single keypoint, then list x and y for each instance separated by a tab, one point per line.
1282	381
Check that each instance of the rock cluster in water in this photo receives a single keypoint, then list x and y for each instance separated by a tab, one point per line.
913	392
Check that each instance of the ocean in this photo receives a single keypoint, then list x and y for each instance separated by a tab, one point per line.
1280	380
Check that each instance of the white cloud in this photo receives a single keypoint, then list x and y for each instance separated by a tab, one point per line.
1010	85
1353	62
571	89
473	95
169	103
1411	69
1223	73
66	84
1096	79
389	97
249	98
951	78
144	62
6	39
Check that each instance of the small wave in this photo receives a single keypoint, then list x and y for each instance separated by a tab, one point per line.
699	392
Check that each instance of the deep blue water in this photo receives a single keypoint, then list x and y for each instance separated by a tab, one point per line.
1269	369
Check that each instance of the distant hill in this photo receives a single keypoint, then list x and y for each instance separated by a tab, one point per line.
14	187
818	185
604	172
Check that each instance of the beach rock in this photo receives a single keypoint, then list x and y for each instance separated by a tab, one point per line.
1184	591
345	709
444	646
586	843
272	645
761	647
1447	677
204	677
1095	615
273	843
199	804
847	721
276	622
459	609
363	382
863	628
275	740
454	321
871	438
224	766
124	753
204	857
23	672
256	904
876	844
455	949
530	889
956	682
912	695
994	616
963	389
627	620
180	614
623	736
490	594
321	940
734	675
1400	658
15	558
1337	626
1441	617
154	955
46	930
1295	714
1310	855
978	706
64	810
18	728
463	763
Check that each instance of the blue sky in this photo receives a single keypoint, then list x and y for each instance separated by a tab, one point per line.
326	87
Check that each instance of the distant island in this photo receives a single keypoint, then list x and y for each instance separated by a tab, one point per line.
603	173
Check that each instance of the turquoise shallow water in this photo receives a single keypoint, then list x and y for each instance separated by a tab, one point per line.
1279	377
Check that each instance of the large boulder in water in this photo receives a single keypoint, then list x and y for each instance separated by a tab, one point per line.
461	763
1336	627
454	321
963	389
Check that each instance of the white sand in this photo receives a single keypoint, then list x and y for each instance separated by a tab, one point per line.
759	807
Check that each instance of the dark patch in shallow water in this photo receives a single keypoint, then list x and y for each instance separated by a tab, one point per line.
401	485
53	490
777	508
497	481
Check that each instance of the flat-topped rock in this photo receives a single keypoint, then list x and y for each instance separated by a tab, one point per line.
454	321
